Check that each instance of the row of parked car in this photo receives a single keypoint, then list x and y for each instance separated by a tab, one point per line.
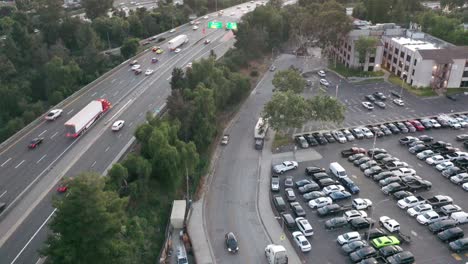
455	121
449	161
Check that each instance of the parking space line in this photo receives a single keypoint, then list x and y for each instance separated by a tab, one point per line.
19	164
53	135
3	164
456	256
41	158
69	112
42	133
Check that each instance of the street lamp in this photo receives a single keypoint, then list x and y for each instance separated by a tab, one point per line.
403	75
282	223
372	214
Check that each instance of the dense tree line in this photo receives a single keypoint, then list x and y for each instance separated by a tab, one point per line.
46	55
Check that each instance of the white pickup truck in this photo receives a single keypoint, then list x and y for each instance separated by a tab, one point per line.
431	217
394	227
411	201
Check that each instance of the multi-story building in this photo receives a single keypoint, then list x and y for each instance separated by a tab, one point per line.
417	58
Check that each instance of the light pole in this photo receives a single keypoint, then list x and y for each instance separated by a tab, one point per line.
402	82
282	224
372	214
373	145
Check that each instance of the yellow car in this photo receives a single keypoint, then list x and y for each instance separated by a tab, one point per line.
155	49
159	51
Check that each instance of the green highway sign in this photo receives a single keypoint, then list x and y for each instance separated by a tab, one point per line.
231	25
215	24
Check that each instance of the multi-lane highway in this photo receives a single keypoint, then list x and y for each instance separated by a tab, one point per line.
28	177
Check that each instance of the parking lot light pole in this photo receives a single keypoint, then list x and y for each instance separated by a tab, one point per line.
402	82
282	223
373	145
372	214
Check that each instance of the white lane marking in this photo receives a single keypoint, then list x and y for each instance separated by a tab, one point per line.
103	96
94	163
131	123
42	133
113	80
41	158
19	164
5	162
420	165
1	195
69	112
120	110
107	149
40	260
33	236
169	78
53	135
93	94
414	233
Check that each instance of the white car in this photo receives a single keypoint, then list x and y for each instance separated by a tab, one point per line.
428	218
453	123
367	133
351	214
205	17
423	155
419	209
404	172
172	30
399	102
465	186
348	237
189	65
338	135
324	82
195	27
118	125
136	67
434	160
321	73
53	114
320	202
285	166
305	227
148	72
368	105
461	121
361	204
332	188
177	50
434	123
459	178
301	241
444	165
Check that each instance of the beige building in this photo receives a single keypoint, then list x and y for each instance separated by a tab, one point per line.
417	58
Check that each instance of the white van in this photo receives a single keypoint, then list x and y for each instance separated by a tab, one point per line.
460	217
337	170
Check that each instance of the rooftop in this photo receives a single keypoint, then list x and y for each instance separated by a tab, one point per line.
445	55
415	44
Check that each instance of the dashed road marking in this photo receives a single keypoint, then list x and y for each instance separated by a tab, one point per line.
42	133
169	78
53	135
3	164
107	149
94	163
420	165
113	80
414	233
69	112
93	94
19	164
41	159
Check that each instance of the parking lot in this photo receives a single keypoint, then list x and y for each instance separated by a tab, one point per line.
425	246
352	95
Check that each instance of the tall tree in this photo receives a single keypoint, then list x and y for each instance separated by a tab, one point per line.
289	80
204	117
129	47
286	109
365	46
326	108
87	224
97	8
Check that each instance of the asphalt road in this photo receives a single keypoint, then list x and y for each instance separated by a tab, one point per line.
28	176
352	95
231	200
425	246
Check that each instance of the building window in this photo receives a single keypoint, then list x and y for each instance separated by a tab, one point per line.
386	46
370	68
395	60
388	65
397	51
385	54
406	68
348	56
408	58
412	73
371	59
393	68
349	48
465	74
464	84
398	73
389	57
400	64
415	61
402	55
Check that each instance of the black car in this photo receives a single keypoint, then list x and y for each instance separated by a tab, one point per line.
370	98
231	242
390	250
326	182
452	97
309	187
395	94
313	195
337	222
320	139
297	209
385	130
419	185
404	257
401	194
380	96
382	175
402	127
375	151
393	128
353	246
394	187
374	233
320	175
312	170
361	223
363	253
459	245
425	138
35	142
376	131
311	140
328	136
451	234
426	123
330	209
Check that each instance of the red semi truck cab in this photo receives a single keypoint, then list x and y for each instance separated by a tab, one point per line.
82	120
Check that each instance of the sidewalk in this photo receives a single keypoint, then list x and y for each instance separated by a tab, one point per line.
198	238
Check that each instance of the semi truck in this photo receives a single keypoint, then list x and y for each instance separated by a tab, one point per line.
276	254
83	120
177	42
261	129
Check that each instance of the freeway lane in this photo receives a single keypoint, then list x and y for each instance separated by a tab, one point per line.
104	145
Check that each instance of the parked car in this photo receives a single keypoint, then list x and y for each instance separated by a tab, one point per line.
337	222
313	195
353	246
301	241
459	245
285	166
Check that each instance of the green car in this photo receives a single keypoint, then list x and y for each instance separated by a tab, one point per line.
385	241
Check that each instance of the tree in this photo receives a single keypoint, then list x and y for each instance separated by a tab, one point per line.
117	178
286	109
452	3
365	46
332	24
289	80
204	117
87	225
178	80
129	47
96	8
326	108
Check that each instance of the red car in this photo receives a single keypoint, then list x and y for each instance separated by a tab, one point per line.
417	125
35	142
62	188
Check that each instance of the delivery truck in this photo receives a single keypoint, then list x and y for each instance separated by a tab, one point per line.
276	254
83	120
177	42
260	131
